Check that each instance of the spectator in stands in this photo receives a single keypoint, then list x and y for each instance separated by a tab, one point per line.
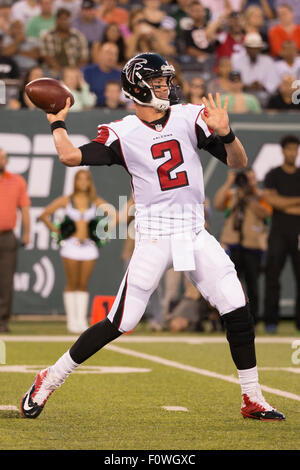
244	235
73	6
63	46
238	101
191	311
88	23
166	38
180	14
286	30
8	67
140	30
254	22
257	70
282	192
147	41
112	95
228	33
266	5
109	12
24	50
290	63
13	196
186	315
136	17
42	22
282	99
24	10
22	100
221	83
194	40
197	89
218	8
294	4
112	33
98	74
83	98
152	12
5	15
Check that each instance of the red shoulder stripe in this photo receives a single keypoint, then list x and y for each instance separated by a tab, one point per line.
103	134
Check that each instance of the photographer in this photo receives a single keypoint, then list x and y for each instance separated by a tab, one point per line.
282	191
244	235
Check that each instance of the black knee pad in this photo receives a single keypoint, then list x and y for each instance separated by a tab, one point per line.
239	325
240	334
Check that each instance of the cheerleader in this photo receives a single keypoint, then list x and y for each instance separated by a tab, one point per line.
79	247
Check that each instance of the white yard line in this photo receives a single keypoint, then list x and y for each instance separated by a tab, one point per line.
33	369
207	373
175	408
167	339
293	370
145	339
8	408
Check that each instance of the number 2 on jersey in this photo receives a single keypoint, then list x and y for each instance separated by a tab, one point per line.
160	150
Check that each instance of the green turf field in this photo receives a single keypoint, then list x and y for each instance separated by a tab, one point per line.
121	409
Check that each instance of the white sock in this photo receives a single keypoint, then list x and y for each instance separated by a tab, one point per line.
69	298
82	303
248	379
64	366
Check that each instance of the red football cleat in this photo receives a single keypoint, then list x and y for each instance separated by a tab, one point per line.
43	386
255	406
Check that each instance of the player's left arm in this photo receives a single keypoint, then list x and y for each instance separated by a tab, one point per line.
216	118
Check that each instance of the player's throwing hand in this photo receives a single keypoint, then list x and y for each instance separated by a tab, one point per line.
61	115
215	116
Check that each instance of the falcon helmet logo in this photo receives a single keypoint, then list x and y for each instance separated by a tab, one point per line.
132	67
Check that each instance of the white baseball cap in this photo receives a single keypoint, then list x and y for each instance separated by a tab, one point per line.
254	40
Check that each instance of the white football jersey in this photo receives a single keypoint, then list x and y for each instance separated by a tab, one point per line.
165	168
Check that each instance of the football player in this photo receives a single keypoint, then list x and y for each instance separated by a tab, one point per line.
158	148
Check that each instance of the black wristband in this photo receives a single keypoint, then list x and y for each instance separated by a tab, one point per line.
58	125
228	138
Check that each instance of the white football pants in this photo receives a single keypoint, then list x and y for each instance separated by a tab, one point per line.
214	276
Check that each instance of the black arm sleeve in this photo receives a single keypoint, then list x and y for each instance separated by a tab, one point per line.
212	144
95	153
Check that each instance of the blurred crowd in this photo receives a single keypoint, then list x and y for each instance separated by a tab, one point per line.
246	49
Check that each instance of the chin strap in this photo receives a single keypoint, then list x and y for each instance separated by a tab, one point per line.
156	103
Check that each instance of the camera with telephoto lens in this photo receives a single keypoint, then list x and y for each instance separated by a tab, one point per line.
241	179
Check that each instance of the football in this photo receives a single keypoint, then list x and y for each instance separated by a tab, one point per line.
48	94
